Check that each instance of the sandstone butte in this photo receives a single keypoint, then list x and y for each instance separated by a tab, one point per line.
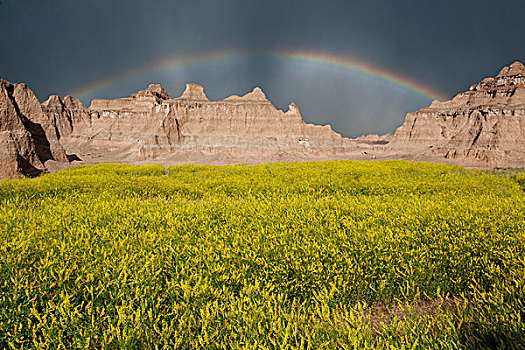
483	127
152	126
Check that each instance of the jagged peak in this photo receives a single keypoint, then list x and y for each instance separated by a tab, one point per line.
293	108
436	103
18	86
72	102
23	88
52	100
153	90
158	90
256	94
10	87
517	68
22	91
6	86
68	102
194	92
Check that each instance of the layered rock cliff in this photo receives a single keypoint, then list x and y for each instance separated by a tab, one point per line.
65	115
485	124
482	127
152	125
28	139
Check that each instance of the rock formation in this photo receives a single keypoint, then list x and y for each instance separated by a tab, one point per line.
485	125
28	140
375	139
150	125
65	115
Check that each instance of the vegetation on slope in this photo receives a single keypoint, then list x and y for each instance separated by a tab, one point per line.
294	256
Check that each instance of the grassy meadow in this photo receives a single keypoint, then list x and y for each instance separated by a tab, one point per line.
321	255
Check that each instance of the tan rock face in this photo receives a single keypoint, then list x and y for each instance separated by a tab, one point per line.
65	115
151	125
153	90
485	124
194	92
27	139
39	125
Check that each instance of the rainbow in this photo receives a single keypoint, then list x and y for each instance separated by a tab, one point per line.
302	56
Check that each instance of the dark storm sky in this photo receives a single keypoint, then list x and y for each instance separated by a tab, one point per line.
64	46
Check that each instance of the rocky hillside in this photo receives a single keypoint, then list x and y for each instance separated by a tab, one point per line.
485	125
28	138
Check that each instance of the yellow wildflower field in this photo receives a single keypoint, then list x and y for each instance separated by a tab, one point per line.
320	255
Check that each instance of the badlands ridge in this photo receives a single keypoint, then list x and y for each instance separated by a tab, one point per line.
483	127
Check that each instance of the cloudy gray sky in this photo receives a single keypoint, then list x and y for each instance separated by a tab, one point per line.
74	46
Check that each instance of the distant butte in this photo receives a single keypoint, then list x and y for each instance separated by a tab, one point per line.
482	127
152	126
